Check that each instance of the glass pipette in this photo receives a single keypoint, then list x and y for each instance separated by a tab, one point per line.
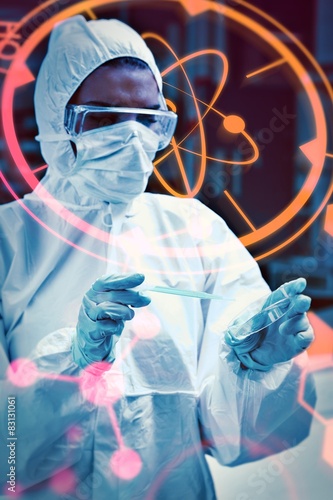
177	291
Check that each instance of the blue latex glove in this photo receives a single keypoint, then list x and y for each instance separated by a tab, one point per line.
282	340
104	309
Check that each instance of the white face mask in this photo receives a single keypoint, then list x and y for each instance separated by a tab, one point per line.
113	164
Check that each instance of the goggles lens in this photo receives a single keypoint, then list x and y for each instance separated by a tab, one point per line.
81	118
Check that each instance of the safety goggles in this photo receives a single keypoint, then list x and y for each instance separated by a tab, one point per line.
82	118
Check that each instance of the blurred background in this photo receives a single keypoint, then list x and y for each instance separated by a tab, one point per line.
245	110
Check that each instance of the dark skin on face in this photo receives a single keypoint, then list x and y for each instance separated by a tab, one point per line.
119	86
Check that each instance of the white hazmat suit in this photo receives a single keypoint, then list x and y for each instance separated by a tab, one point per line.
181	391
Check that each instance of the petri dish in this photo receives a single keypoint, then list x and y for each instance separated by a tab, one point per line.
258	316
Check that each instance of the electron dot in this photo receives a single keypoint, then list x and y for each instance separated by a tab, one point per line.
234	124
22	372
126	463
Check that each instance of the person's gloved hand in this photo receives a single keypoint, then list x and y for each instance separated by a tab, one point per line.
284	339
104	309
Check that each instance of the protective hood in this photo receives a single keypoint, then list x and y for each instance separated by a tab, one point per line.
76	48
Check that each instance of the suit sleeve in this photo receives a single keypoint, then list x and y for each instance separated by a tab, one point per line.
244	414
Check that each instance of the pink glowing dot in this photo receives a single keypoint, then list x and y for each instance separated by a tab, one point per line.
328	444
16	492
126	463
74	434
99	367
63	481
146	325
94	388
102	387
22	372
